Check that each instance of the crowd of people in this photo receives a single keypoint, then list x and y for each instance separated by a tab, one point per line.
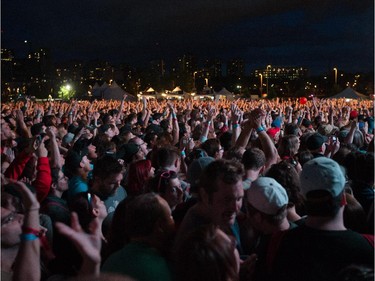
219	190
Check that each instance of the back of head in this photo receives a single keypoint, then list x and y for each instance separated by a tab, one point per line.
253	159
322	184
195	170
229	172
204	256
166	156
288	146
142	213
285	174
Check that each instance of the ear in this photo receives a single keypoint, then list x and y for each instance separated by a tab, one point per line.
81	164
95	212
262	169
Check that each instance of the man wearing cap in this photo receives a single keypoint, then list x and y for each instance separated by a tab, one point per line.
316	143
77	167
323	246
266	206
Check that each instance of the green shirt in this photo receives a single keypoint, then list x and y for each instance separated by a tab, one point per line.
139	261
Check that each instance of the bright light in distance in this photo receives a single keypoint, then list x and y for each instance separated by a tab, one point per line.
68	87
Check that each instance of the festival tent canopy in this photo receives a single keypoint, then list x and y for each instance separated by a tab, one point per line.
177	89
114	92
223	92
349	93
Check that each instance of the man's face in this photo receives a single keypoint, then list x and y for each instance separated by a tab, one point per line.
11	228
142	144
173	193
92	152
85	164
109	185
225	203
62	182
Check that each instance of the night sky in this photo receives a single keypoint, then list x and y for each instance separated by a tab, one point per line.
317	34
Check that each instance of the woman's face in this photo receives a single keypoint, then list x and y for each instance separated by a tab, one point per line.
99	206
151	173
173	193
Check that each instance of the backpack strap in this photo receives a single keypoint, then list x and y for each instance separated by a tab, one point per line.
369	238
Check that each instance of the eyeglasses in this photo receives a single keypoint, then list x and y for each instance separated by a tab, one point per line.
8	219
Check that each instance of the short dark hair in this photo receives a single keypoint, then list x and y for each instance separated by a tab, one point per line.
227	171
253	159
211	146
105	166
142	214
166	156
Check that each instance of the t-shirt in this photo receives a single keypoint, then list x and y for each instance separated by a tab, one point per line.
76	185
310	254
139	261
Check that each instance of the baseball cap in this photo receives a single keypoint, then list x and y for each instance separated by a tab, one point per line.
267	195
315	141
325	129
322	173
73	158
353	114
196	168
127	151
273	131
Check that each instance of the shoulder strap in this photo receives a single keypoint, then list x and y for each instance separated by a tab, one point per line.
369	238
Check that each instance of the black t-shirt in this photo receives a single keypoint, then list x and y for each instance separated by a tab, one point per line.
304	253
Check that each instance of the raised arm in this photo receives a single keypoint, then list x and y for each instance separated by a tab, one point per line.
27	264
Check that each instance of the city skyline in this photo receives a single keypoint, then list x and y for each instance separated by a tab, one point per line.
332	34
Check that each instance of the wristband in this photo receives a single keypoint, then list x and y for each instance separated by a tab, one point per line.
28	237
183	154
260	129
173	116
174	119
235	126
208	123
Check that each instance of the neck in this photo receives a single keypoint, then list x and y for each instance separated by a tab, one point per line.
327	223
284	225
56	192
8	256
252	174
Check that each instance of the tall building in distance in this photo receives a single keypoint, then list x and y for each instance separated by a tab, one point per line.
186	64
157	68
236	68
283	72
213	67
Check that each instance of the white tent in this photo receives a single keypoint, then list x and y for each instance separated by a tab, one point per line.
115	92
177	89
224	93
349	93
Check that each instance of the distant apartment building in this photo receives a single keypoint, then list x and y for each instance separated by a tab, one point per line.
236	68
282	72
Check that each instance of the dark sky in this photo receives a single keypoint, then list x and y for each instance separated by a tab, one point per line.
317	34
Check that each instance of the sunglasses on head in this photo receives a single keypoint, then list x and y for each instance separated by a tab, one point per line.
165	175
